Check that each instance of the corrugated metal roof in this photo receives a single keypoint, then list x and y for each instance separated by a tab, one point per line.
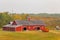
25	22
9	25
21	22
32	22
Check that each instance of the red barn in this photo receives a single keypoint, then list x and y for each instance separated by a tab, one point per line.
21	25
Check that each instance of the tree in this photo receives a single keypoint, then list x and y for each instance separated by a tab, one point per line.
5	18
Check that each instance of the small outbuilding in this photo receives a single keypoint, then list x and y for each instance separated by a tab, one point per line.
57	27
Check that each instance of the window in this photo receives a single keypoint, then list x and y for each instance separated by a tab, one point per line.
37	28
24	28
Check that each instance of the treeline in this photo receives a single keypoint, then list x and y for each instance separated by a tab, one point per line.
46	15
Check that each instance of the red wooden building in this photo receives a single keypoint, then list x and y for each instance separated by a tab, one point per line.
21	25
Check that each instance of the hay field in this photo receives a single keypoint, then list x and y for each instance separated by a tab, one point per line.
30	35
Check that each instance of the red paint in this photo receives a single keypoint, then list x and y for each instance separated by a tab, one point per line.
42	27
20	28
30	28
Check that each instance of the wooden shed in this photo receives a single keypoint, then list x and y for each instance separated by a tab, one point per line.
21	25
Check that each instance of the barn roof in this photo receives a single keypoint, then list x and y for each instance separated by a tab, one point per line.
9	25
32	22
25	22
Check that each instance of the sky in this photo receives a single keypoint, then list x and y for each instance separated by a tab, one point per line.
30	6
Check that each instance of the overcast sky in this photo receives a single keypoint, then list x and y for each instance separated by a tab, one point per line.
30	6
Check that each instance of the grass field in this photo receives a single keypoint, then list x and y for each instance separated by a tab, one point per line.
30	35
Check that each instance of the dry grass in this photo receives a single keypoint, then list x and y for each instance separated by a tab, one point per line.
29	35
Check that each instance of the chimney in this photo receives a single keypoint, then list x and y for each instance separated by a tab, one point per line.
28	18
